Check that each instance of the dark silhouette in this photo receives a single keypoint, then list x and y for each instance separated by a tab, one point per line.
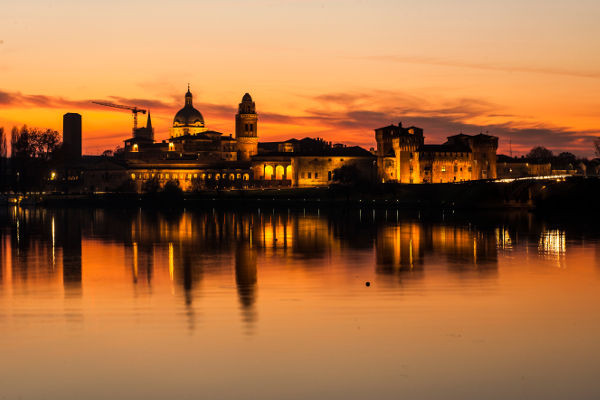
72	137
32	153
540	154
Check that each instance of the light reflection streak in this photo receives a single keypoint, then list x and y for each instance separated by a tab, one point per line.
171	261
53	244
503	240
552	244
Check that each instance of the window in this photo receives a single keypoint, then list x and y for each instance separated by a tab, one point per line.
316	175
309	177
443	169
455	168
328	175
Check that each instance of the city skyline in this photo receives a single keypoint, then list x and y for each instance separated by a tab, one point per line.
527	73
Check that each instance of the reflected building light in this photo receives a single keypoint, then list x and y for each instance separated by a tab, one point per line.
503	240
135	261
171	262
552	243
410	252
53	244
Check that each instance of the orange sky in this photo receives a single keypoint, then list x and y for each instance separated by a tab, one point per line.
528	71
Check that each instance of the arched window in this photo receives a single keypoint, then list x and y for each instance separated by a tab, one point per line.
268	172
279	172
288	172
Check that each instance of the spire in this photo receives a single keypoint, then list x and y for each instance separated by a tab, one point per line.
149	122
188	97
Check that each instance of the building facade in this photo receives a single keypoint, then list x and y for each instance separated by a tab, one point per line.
196	157
403	157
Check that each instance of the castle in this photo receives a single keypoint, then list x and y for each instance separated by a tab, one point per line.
197	157
403	156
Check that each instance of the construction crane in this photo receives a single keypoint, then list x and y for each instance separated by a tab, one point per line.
134	110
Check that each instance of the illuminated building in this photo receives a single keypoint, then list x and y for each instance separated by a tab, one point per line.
246	129
403	156
197	158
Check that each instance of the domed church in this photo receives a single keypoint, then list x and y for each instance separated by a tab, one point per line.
190	139
197	157
188	120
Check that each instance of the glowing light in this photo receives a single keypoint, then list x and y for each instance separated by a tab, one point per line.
135	260
552	244
503	240
171	261
53	243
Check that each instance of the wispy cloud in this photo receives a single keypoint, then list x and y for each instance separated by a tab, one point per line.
594	74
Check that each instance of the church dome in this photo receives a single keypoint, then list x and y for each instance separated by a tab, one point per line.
188	116
247	97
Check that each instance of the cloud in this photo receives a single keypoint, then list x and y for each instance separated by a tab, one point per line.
352	117
357	119
483	66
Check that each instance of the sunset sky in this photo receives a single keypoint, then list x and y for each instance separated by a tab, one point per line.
525	70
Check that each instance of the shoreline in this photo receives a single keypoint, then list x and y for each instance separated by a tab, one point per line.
579	193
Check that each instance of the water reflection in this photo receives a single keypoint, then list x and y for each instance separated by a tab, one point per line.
552	246
47	245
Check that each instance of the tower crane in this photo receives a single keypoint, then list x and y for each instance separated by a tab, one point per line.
134	110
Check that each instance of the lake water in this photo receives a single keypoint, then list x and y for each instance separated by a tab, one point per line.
273	304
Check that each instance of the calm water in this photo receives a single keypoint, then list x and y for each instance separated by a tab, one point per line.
272	304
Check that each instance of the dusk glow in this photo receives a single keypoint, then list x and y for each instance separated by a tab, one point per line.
333	69
299	199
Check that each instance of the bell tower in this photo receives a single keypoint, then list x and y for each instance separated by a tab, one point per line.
246	130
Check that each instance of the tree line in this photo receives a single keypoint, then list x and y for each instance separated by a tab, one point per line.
33	152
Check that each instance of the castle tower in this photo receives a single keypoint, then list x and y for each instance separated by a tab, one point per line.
398	153
246	132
